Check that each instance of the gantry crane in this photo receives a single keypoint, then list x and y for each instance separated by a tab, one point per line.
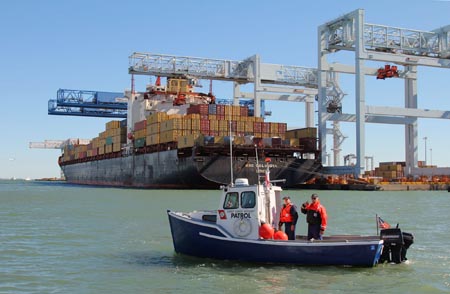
396	46
88	103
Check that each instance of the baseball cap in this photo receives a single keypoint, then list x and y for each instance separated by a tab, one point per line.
286	197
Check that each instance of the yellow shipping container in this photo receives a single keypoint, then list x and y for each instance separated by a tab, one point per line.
193	116
102	135
236	110
302	133
101	149
213	125
228	110
187	140
176	115
156	118
212	117
187	124
113	124
195	124
108	148
170	136
116	147
153	129
223	125
152	139
171	124
249	127
140	134
241	126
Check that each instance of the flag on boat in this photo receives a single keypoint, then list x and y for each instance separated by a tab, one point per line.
382	224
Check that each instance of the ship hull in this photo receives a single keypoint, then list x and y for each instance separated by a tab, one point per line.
178	169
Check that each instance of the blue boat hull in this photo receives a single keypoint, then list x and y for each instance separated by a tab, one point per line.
205	239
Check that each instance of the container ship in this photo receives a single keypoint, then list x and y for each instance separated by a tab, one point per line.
175	138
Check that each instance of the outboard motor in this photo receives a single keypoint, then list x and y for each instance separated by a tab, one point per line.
396	243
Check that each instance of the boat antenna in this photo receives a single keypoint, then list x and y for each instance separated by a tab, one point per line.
231	151
257	163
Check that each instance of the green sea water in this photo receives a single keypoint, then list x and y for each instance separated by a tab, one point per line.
60	238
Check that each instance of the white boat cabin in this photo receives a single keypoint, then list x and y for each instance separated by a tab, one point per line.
243	208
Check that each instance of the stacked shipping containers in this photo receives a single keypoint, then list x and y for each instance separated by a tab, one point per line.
203	124
305	138
108	141
390	170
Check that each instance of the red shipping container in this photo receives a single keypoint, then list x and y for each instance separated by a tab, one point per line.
244	111
233	126
220	109
204	116
203	109
140	125
282	127
193	109
266	127
204	125
257	127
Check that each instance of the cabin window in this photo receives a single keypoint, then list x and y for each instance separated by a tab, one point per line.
248	199
231	200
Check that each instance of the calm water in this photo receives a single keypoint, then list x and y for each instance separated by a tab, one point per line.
58	238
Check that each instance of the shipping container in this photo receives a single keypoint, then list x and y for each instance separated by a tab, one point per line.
302	133
308	144
139	142
108	149
140	125
204	125
152	139
116	147
170	136
171	124
186	141
109	140
156	117
115	124
266	127
212	109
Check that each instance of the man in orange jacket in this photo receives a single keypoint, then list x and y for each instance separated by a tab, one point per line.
316	217
288	217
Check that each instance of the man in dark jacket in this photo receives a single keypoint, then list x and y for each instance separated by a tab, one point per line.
288	217
316	217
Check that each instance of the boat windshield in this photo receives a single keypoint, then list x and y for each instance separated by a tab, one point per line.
248	199
231	200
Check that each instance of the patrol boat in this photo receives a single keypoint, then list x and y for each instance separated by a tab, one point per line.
232	232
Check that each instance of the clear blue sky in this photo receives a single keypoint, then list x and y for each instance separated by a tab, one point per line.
47	45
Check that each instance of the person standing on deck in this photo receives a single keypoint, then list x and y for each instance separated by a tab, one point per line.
316	217
288	217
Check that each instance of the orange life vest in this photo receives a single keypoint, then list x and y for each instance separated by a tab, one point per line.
286	216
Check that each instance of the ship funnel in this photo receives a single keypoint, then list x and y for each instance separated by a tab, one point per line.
241	182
